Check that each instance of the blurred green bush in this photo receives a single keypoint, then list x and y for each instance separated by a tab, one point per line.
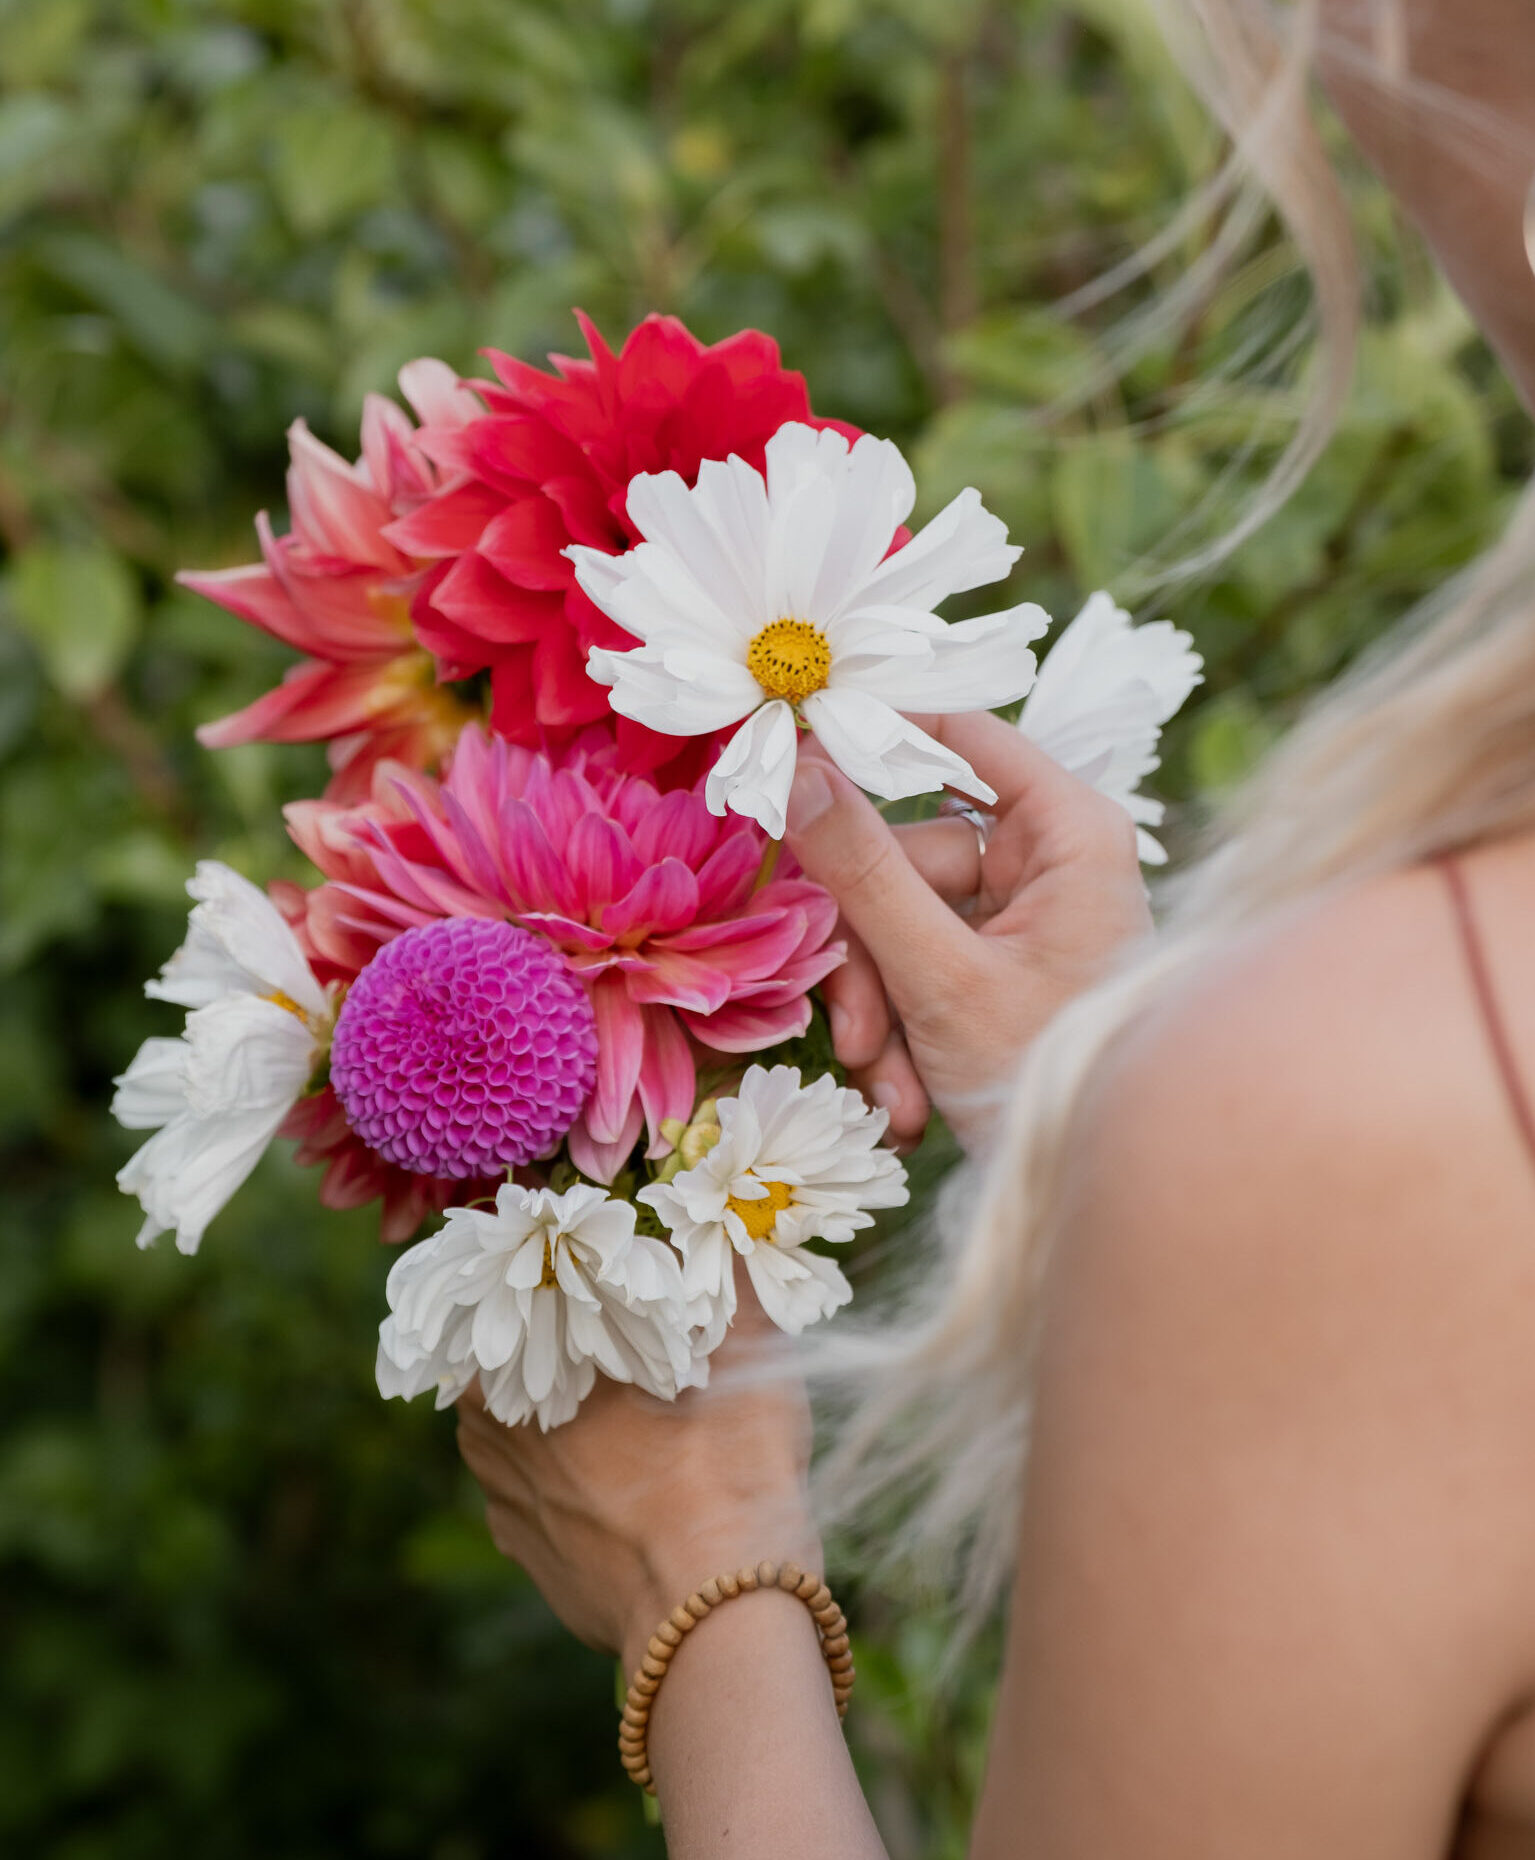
244	1607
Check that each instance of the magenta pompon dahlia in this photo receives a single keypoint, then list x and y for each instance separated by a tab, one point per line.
652	901
465	1046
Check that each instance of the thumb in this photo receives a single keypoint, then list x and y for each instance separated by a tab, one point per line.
842	842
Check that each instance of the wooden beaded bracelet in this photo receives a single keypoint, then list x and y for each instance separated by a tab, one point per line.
831	1625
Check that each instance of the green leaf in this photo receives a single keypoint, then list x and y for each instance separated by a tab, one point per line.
1117	502
81	609
329	162
165	326
34	130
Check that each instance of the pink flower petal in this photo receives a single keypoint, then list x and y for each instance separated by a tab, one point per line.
746	1029
726	879
447	524
602	1161
536	876
667	1083
620	1054
566	931
335	510
600	856
670	980
664	897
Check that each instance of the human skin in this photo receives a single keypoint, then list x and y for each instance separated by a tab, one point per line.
1273	1594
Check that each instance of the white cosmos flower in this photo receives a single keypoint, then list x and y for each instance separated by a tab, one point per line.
793	1163
534	1298
1102	695
258	1025
767	601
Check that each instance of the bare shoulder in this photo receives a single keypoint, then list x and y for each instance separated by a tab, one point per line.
1303	1235
1336	1062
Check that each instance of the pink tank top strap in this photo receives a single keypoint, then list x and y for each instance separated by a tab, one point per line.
1487	1003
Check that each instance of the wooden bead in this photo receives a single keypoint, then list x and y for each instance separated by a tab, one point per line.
831	1623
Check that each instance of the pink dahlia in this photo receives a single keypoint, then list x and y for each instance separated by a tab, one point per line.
550	464
341	592
652	901
465	1046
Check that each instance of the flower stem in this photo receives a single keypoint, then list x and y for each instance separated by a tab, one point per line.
769	863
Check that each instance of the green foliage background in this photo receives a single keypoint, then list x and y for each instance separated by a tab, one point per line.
244	1607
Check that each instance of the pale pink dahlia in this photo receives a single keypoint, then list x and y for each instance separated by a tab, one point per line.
337	589
653	902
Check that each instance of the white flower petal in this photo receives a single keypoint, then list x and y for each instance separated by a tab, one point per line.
975	664
735	555
541	1352
188	1171
796	1287
755	770
217	1096
1102	696
471	1298
154	1088
719	529
655	595
823	1141
963	547
245	1054
237	941
883	751
715	694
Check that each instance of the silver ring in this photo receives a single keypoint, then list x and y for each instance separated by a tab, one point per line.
951	807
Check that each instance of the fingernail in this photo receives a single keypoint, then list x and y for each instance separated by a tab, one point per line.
840	1023
887	1096
809	798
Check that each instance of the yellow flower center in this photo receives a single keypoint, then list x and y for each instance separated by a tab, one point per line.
790	659
759	1217
287	1003
549	1278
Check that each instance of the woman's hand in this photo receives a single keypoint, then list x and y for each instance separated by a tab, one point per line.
933	1007
623	1511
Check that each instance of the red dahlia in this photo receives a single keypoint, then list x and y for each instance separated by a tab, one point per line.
550	465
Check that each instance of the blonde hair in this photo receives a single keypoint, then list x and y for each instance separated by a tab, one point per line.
1427	746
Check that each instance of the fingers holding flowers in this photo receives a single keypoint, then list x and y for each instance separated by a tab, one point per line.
544	987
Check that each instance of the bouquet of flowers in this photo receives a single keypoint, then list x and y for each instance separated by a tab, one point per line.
561	635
